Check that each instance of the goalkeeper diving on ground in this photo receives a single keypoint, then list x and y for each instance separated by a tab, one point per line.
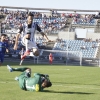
36	83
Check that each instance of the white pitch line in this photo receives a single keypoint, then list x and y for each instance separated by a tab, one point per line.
60	85
7	82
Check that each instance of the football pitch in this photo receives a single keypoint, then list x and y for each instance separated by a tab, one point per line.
68	83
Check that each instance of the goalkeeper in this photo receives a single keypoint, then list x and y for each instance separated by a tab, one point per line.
28	83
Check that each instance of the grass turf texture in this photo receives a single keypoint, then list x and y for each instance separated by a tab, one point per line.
69	83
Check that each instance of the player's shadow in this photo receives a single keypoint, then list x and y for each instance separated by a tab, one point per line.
67	92
65	83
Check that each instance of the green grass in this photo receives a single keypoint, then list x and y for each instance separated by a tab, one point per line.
69	83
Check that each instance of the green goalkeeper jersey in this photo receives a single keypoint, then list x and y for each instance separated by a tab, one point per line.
30	84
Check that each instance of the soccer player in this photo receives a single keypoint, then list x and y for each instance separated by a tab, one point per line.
3	47
50	58
28	83
21	53
27	31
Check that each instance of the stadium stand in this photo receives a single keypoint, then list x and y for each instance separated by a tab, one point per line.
84	20
53	24
88	49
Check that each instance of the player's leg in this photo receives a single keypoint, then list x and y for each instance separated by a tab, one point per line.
25	74
20	69
25	42
1	59
26	71
30	45
35	52
34	48
17	69
25	54
50	61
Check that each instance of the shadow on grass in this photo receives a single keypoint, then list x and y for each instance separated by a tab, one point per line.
67	92
74	83
64	83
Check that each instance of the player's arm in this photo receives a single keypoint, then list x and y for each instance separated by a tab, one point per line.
42	33
45	36
16	41
7	50
46	76
17	37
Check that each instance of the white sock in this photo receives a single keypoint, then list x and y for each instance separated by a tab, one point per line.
21	62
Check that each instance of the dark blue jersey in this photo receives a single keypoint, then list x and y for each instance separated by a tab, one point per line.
3	47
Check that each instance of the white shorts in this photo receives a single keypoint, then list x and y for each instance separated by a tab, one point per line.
30	44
